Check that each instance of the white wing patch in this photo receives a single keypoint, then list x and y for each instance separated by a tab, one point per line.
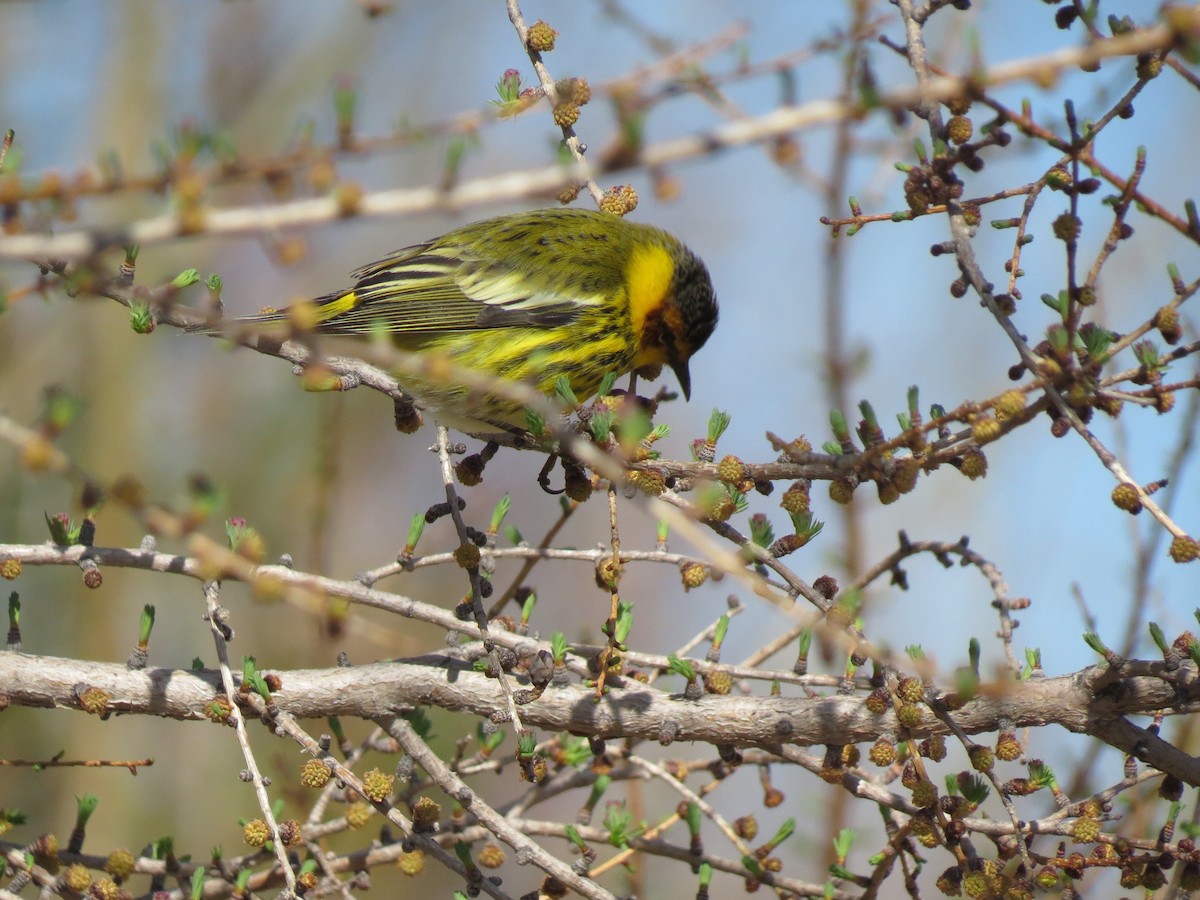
509	291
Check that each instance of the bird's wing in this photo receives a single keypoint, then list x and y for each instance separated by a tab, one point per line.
422	290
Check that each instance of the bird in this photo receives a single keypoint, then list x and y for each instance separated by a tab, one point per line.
529	297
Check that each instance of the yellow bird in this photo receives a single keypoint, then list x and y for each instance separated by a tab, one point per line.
528	297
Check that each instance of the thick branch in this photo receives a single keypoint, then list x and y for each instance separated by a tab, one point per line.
1093	701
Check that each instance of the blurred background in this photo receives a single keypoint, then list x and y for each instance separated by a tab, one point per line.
86	84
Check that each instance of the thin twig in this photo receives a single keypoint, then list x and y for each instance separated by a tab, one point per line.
215	614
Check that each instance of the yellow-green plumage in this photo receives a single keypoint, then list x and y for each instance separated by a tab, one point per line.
529	297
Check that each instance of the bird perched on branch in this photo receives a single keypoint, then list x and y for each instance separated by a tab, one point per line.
529	297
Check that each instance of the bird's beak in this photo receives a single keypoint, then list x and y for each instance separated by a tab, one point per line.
685	378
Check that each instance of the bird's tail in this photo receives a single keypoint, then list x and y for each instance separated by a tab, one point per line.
299	318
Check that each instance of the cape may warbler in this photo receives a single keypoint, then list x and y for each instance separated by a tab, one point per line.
527	297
